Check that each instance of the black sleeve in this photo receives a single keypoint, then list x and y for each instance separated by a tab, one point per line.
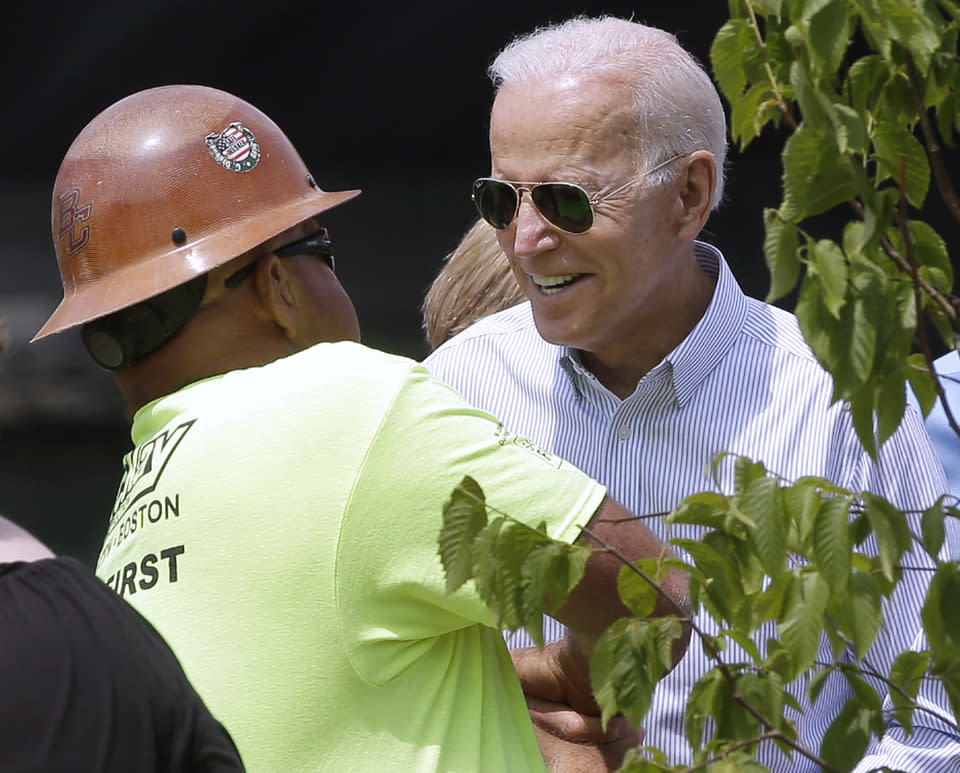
87	684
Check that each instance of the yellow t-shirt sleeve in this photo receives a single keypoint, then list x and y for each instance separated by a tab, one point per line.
391	597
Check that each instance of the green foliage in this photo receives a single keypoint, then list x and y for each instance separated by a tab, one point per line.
628	661
867	91
791	554
517	570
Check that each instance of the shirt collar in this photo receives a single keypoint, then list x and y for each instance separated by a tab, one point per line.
702	350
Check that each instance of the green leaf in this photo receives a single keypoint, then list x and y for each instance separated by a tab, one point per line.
862	341
873	29
802	621
939	620
700	705
635	591
765	693
932	528
780	662
704	509
862	613
464	515
828	266
913	27
719	567
865	80
502	566
846	740
942	79
486	568
931	252
767	7
762	501
948	117
815	107
829	36
947	578
549	572
902	158
634	764
625	668
921	381
733	721
861	411
818	681
816	176
892	402
746	470
851	130
746	643
727	55
781	245
907	675
892	532
802	501
897	104
751	112
880	207
769	604
832	543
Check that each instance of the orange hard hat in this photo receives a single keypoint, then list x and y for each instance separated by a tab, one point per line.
164	186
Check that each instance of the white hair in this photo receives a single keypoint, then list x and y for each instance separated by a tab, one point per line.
677	107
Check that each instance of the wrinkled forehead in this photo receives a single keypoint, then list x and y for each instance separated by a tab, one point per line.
585	121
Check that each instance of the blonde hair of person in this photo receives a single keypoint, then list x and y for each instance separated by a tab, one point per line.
475	280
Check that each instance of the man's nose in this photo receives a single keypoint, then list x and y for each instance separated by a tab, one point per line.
534	233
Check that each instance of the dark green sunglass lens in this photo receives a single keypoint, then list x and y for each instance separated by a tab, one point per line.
496	202
566	206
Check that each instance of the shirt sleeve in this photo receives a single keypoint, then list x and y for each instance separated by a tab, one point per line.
391	587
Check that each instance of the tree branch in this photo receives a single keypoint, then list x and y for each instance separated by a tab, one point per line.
774	85
707	641
934	150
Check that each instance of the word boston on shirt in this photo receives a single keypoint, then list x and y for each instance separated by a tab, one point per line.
137	508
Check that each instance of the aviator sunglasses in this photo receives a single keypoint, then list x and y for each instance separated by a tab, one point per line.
565	205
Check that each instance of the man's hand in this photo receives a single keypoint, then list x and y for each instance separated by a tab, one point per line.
565	716
571	742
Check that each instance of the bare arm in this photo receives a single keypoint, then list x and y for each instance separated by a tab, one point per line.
556	680
594	604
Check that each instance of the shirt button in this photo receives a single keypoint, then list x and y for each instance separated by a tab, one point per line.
624	432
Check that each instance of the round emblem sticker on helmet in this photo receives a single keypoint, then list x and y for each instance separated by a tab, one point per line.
235	148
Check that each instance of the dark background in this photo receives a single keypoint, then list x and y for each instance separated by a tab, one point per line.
391	98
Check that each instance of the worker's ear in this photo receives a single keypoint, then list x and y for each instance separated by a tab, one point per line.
696	186
276	295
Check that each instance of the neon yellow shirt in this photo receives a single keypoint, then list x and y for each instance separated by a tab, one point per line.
279	526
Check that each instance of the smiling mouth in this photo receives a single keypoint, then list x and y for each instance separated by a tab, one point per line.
551	285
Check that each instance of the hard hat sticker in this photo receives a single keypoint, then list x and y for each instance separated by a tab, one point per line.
235	148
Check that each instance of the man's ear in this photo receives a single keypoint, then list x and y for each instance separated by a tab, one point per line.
697	186
277	299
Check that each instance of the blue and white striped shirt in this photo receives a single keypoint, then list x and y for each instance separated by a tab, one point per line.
743	381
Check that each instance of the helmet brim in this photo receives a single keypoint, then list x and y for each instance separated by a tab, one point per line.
140	281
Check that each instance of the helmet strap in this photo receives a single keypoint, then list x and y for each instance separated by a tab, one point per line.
119	340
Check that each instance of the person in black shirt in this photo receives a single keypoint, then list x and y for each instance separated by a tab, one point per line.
87	685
